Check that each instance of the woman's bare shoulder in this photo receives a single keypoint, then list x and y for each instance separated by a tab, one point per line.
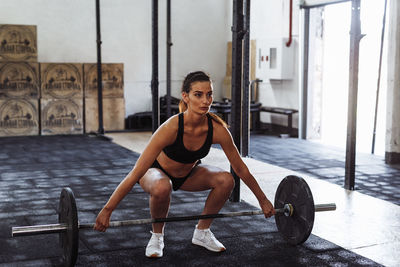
168	129
166	133
171	123
221	133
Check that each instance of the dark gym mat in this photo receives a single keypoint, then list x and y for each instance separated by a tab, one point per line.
34	169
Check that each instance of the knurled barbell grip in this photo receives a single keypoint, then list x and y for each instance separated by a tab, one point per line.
175	219
61	227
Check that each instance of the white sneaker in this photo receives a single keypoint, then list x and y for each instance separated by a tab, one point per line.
206	238
155	246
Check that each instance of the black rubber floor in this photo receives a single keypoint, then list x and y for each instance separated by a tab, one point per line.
372	177
33	170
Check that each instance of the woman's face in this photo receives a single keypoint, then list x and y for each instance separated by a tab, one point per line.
200	97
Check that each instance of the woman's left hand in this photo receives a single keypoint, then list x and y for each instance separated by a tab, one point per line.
267	208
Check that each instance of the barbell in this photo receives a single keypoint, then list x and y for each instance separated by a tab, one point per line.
294	206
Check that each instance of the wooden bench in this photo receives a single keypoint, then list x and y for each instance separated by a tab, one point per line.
283	111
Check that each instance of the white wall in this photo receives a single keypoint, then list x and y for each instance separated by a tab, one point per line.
67	33
270	20
200	31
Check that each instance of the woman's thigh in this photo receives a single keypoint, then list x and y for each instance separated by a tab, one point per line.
206	177
155	179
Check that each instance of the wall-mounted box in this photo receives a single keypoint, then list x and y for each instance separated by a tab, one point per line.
18	43
19	80
275	60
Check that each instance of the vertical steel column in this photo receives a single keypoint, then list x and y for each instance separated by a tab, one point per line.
355	37
246	82
169	44
379	79
154	73
99	74
304	89
237	49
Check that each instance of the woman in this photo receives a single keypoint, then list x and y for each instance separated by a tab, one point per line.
171	161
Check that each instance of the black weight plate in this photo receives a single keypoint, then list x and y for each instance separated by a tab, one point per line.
69	240
297	228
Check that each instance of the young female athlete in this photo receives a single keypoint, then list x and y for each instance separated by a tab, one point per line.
172	161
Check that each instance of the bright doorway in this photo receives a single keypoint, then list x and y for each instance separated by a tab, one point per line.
329	71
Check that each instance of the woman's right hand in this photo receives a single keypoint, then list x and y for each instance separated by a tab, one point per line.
102	220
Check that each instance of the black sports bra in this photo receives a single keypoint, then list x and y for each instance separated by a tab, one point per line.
178	152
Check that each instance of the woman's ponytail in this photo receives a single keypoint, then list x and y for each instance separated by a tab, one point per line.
218	119
182	106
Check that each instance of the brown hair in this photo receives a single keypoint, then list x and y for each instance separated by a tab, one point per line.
197	76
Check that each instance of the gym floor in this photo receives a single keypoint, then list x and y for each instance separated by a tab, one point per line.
363	231
372	208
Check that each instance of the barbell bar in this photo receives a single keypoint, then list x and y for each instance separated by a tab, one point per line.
294	206
62	227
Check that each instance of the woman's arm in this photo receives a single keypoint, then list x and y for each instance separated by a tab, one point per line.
224	138
161	138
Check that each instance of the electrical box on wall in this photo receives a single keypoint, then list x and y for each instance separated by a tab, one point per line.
275	60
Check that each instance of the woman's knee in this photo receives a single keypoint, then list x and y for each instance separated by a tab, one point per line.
225	180
161	189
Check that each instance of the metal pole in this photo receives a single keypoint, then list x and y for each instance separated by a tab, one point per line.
379	78
169	44
154	74
236	122
99	73
246	66
304	100
355	37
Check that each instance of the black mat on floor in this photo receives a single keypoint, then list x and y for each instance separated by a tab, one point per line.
372	175
33	171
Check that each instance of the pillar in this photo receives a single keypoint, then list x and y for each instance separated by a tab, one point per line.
392	144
